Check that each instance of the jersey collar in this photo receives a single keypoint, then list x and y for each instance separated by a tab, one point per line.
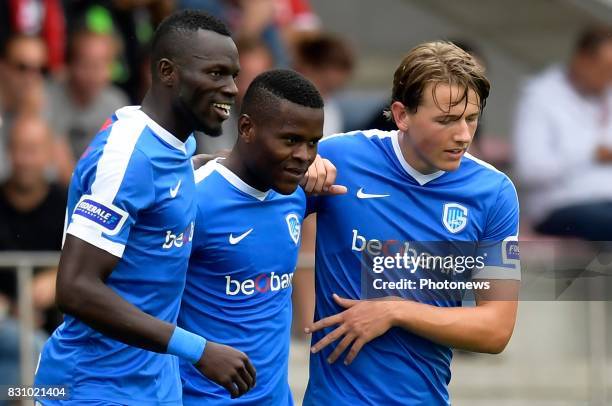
165	135
238	183
418	176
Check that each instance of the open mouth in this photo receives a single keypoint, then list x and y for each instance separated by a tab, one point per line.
223	109
295	172
455	152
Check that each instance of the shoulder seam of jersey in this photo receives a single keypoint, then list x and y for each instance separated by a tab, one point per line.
121	143
204	171
481	162
488	166
367	133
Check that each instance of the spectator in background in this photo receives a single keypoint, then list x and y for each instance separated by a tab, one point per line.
81	103
32	216
295	17
133	22
492	148
563	140
31	207
42	18
21	69
255	58
248	20
328	62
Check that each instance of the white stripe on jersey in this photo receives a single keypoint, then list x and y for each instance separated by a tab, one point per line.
115	158
110	171
367	133
90	234
203	171
418	176
239	184
489	166
481	162
137	113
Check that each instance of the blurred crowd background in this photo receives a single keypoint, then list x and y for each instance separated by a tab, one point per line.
66	65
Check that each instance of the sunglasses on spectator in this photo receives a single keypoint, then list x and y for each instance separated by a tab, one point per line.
24	67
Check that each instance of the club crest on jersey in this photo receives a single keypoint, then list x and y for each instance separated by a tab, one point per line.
455	217
293	222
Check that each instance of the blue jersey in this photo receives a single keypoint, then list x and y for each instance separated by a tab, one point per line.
389	204
238	290
132	195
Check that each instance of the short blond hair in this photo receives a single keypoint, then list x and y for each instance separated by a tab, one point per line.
438	62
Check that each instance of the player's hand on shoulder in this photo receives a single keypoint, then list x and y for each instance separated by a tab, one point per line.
320	178
202	159
228	367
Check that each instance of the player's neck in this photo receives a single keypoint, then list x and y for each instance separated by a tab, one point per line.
156	107
237	165
412	157
25	198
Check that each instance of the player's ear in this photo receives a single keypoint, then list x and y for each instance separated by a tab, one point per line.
246	130
166	70
400	116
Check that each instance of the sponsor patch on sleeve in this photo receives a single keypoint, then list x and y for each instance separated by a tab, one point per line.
510	250
106	217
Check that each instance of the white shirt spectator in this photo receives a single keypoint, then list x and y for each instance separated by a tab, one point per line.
556	133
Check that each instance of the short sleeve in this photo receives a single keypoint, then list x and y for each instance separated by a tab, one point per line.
499	243
122	187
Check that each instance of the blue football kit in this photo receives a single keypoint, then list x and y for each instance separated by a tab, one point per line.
132	195
238	289
391	209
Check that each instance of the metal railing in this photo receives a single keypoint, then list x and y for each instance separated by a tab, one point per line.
24	262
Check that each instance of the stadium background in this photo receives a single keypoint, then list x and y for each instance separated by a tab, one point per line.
560	351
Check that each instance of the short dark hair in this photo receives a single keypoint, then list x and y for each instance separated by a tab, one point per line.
321	50
272	86
592	38
171	32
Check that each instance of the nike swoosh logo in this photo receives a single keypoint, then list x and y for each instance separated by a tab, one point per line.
174	190
235	240
362	195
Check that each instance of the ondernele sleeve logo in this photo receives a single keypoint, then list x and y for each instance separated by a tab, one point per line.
105	217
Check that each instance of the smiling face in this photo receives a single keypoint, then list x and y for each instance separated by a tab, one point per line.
441	129
281	146
205	90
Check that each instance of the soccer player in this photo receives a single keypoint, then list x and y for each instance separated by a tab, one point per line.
417	184
247	237
130	223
